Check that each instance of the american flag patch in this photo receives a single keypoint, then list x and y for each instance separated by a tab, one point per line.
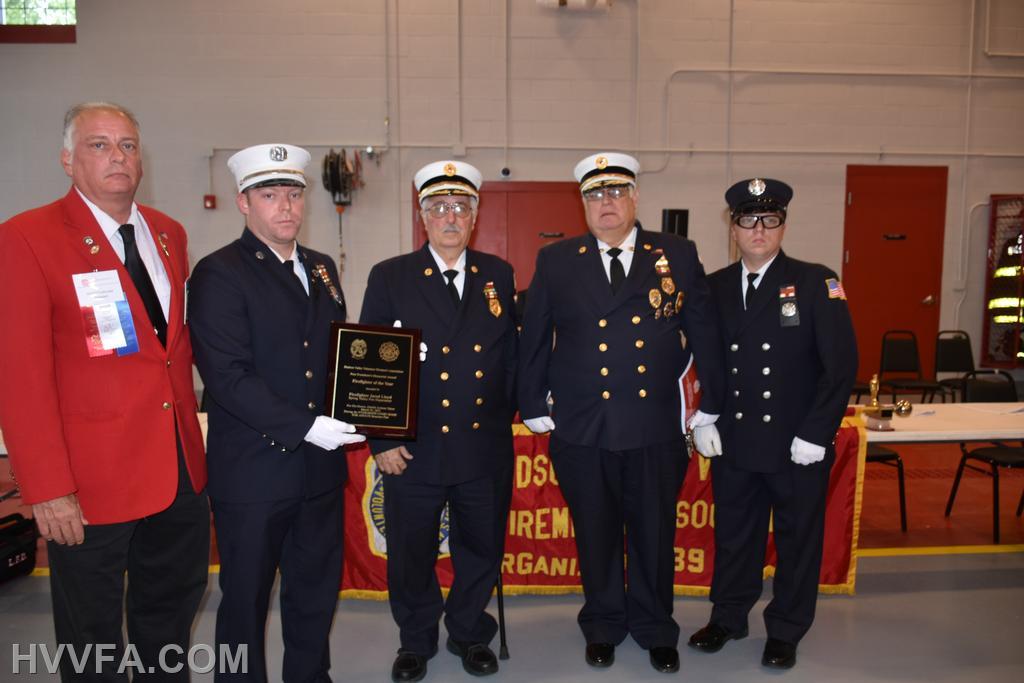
835	289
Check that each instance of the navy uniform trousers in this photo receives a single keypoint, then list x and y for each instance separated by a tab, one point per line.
261	346
791	360
462	455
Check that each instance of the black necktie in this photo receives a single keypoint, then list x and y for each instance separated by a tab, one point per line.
750	290
453	291
143	284
289	266
618	273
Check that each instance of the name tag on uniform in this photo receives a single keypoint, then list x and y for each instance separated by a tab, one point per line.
789	314
106	316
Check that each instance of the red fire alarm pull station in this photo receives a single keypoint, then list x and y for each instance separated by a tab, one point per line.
209	201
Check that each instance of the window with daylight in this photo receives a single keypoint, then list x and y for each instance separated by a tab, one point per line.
37	21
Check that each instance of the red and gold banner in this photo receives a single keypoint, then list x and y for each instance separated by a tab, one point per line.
540	552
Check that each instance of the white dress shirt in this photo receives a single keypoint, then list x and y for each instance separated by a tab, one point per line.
460	265
625	258
143	241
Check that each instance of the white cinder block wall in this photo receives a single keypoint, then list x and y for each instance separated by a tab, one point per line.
706	92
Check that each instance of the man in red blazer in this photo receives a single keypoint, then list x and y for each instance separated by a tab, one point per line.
97	404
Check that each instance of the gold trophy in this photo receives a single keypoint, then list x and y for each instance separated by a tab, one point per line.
878	417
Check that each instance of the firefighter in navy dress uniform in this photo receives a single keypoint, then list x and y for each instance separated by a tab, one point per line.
462	301
611	321
260	311
791	359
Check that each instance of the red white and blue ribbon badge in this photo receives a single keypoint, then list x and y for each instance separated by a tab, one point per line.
835	289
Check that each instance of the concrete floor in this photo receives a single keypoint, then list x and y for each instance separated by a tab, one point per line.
915	618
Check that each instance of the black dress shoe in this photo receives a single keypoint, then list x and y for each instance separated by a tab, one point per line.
779	654
664	659
712	637
477	658
408	666
600	654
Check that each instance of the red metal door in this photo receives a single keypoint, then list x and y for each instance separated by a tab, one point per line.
892	256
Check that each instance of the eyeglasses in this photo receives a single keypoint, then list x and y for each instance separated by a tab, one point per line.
442	209
613	192
768	222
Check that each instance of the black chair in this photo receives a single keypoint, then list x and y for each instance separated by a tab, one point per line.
998	387
886	456
953	354
859	389
899	355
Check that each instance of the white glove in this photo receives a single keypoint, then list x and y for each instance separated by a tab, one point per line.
805	452
329	434
706	440
539	425
701	419
423	345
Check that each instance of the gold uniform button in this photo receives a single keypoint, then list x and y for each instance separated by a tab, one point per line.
602	323
168	363
606	394
636	320
311	405
739	416
643	393
604	372
477	348
166	406
602	347
767	394
735	371
767	418
476	425
766	346
734	347
479	401
446	350
445	402
309	374
479	374
766	371
639	343
735	392
641	369
444	429
444	376
305	344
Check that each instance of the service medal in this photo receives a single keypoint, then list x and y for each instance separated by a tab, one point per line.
669	310
493	305
654	296
679	300
789	309
668	285
661	266
320	270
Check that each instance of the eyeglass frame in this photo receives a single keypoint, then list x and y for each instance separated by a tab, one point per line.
605	191
449	208
759	218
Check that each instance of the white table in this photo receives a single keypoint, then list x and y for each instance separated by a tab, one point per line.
944	422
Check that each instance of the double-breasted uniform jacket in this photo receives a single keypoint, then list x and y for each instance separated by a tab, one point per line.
612	362
467	383
261	346
101	427
787	375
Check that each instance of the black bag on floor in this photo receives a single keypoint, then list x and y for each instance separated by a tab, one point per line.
17	546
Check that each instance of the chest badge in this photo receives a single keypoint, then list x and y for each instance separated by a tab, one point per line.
491	294
789	314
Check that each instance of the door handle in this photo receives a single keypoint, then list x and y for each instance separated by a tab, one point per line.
928	300
552	235
894	236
